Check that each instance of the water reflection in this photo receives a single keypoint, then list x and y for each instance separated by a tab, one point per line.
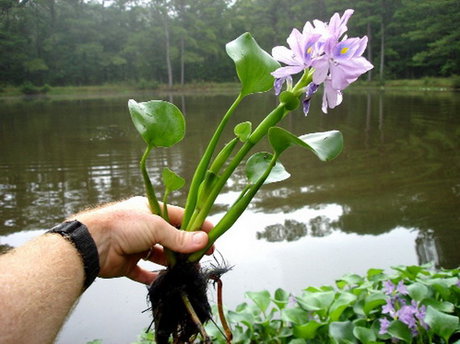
400	166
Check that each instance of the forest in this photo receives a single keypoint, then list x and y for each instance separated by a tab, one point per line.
79	42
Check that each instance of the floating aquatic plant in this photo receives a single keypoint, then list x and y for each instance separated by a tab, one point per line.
323	55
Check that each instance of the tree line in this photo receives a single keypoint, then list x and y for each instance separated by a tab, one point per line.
76	42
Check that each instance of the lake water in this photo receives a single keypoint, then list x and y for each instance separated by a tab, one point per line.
392	197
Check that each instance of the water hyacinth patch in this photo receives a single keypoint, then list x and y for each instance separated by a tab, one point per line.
355	310
322	55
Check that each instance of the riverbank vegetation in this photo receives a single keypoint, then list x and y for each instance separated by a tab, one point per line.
46	44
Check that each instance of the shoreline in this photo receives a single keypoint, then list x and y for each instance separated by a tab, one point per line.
115	90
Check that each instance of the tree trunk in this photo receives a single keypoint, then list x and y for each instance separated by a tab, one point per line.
382	49
369	49
167	50
182	64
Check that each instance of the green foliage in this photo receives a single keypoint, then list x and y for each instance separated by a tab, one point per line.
85	42
28	88
258	163
351	311
325	145
161	124
253	64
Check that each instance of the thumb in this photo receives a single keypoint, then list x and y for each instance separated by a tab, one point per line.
182	241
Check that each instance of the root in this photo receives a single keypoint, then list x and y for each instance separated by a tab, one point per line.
171	315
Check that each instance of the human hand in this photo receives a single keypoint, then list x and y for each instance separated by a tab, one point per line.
127	231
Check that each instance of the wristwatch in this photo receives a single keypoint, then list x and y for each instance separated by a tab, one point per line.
77	233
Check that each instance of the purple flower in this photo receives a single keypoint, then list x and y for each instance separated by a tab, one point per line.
298	57
389	309
401	288
384	324
388	287
309	91
331	96
407	315
337	61
342	61
279	83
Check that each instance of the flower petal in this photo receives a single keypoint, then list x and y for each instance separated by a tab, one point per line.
283	54
283	72
321	66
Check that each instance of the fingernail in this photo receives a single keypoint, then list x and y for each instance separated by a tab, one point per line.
199	237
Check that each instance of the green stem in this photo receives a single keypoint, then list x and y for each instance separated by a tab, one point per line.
165	206
306	78
203	165
234	212
153	202
272	119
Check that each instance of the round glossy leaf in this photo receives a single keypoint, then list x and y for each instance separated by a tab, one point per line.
342	332
325	145
400	331
243	130
161	124
260	298
258	163
442	324
253	64
171	180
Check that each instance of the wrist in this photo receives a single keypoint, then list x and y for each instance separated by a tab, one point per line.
77	234
97	228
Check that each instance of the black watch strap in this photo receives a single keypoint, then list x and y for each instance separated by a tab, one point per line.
77	233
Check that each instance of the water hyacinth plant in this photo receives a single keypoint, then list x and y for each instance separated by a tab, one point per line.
411	304
322	55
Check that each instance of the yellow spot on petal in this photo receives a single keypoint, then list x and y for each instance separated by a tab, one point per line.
309	50
344	50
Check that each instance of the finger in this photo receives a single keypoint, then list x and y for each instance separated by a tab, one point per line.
156	255
141	275
181	241
177	213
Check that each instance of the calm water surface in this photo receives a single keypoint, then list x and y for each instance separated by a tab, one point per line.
391	198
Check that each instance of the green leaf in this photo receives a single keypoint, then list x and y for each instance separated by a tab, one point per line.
171	180
418	291
325	145
316	301
400	330
442	306
350	280
297	341
260	298
161	124
340	304
375	275
253	64
296	316
307	331
243	130
342	332
441	323
257	165
373	301
365	335
281	298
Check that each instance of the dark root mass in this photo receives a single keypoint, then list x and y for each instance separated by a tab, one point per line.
166	294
